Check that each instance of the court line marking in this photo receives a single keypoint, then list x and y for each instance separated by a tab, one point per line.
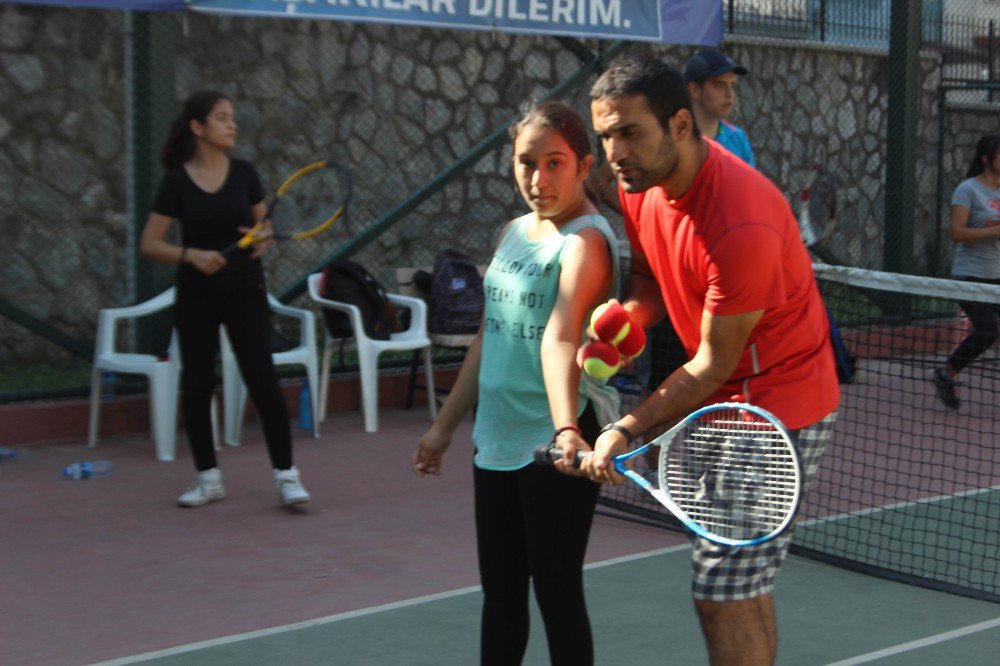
897	505
361	612
918	644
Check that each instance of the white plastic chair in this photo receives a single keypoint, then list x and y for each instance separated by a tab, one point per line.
414	337
163	374
235	391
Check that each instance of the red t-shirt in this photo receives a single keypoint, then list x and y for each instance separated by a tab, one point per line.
731	245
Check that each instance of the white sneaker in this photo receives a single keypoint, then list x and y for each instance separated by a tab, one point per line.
289	487
208	488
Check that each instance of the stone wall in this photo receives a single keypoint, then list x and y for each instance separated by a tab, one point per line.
801	104
62	168
398	105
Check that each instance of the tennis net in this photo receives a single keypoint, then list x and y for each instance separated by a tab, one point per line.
909	489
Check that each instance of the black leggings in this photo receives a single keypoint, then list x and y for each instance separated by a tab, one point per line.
533	524
247	317
984	318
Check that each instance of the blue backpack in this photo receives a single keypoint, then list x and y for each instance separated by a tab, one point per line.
456	301
846	361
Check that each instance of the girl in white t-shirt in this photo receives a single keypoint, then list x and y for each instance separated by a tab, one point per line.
975	227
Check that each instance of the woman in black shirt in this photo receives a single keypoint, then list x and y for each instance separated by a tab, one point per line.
217	199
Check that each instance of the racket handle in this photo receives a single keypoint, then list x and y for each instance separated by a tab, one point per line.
546	454
231	250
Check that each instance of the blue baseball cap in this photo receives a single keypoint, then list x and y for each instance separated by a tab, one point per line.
708	64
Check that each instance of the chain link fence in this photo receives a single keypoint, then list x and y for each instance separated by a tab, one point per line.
843	22
87	94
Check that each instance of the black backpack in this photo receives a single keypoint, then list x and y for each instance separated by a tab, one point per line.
349	282
455	304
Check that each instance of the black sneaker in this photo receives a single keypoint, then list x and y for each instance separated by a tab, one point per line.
945	386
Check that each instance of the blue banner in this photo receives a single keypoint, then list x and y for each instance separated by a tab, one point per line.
137	5
670	21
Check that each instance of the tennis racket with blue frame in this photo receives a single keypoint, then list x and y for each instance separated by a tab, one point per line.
729	472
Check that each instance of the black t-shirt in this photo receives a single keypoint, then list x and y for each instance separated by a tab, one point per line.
211	221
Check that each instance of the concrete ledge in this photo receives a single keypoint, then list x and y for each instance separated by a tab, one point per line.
59	421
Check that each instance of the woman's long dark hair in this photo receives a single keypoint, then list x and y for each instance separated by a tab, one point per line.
988	146
179	145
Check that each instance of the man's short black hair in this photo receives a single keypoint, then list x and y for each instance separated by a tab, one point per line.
663	87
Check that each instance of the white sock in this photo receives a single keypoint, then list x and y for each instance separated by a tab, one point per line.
210	475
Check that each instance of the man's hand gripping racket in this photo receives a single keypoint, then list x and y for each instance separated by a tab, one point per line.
306	204
729	472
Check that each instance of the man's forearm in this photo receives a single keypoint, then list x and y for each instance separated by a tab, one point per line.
679	394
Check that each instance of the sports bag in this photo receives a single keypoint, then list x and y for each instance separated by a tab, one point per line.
349	282
455	304
845	360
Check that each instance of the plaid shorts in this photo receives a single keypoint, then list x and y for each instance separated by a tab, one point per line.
724	573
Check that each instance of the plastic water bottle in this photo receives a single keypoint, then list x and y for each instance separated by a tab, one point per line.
87	470
305	407
108	380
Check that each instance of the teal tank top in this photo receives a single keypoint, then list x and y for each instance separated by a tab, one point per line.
521	285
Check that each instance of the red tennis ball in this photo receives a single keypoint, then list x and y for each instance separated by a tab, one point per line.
611	322
633	343
600	359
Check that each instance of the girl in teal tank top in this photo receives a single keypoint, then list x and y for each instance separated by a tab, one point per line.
550	269
522	287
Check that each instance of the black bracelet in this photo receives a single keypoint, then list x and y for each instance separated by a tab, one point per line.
620	428
563	429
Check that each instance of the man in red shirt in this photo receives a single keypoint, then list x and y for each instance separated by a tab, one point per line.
716	247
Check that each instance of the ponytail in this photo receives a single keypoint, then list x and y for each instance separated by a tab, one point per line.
987	147
179	145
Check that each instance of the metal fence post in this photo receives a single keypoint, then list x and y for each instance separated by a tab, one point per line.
150	98
900	172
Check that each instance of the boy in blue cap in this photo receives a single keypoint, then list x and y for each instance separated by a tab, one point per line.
711	80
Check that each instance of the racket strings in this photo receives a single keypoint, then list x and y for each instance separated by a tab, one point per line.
737	478
310	201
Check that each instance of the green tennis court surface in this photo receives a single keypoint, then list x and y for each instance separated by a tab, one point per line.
642	614
952	538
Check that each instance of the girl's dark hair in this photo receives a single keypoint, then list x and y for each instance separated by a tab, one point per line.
564	120
179	145
560	117
663	87
988	146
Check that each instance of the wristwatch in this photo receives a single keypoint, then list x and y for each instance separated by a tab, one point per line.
620	428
